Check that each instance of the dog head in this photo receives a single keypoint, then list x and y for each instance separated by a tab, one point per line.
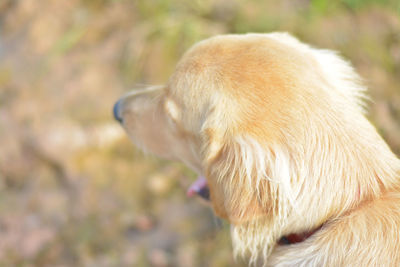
276	127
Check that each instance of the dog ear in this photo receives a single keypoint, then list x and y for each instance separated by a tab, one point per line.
240	179
250	186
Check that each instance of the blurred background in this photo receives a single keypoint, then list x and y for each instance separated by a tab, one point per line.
73	190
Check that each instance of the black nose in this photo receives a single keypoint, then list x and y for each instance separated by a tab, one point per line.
117	112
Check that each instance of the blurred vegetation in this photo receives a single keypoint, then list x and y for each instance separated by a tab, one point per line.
73	190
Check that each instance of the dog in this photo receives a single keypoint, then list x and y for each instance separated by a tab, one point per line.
276	130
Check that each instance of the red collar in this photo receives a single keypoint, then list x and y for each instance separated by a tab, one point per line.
296	238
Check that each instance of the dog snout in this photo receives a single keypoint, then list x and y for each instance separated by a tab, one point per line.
117	111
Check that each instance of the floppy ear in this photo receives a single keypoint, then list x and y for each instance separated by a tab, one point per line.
240	177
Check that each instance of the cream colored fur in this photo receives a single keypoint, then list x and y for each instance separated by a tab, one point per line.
278	129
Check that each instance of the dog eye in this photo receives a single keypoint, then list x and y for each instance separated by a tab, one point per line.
172	109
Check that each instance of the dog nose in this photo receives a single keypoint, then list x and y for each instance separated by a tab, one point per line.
117	112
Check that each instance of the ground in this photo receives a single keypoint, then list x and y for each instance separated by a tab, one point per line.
73	190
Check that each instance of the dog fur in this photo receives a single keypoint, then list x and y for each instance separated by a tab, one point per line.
278	129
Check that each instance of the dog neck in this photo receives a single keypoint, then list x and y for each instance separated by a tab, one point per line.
300	237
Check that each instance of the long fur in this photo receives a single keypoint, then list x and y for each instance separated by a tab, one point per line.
279	130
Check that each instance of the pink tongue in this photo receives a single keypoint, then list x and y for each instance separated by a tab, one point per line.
197	186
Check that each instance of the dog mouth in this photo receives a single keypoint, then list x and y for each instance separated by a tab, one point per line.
199	188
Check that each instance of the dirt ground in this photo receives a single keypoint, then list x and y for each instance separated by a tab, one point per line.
73	190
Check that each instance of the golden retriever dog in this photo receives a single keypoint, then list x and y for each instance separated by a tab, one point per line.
277	132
